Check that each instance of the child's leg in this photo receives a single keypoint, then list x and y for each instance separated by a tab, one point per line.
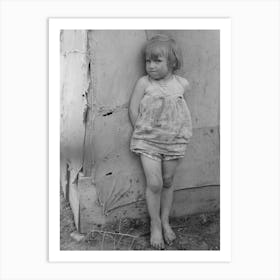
169	168
152	170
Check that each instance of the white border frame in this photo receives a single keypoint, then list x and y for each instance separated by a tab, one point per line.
222	24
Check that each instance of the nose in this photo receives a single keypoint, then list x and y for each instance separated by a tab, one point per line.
151	65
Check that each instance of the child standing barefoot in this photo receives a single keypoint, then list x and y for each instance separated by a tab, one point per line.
162	129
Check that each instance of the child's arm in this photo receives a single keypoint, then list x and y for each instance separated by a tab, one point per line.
186	86
135	99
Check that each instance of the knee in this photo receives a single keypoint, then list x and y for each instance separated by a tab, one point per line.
167	181
155	186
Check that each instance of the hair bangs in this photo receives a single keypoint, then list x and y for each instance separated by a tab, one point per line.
156	50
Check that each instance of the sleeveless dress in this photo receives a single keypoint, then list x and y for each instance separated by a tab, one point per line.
163	126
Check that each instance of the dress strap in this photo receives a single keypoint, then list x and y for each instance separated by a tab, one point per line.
179	81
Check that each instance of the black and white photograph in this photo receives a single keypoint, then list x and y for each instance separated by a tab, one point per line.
140	139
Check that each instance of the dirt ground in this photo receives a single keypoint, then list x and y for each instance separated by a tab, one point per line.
194	232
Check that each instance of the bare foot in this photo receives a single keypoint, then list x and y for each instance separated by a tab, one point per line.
156	236
168	233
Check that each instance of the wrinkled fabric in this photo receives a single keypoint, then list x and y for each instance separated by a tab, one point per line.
164	123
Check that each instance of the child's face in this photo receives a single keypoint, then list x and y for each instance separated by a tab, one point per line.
157	67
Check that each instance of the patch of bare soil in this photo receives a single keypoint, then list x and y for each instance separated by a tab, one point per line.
194	232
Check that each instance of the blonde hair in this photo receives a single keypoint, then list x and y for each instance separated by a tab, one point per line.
163	45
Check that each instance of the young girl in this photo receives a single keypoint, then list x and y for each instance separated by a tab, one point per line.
162	129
